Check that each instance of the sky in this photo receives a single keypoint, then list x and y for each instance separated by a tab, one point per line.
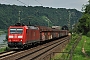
69	4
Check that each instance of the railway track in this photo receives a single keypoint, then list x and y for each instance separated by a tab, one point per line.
6	53
36	53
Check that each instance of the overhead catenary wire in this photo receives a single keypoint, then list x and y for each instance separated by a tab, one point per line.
21	2
39	2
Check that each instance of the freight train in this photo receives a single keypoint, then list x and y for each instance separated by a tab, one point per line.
20	35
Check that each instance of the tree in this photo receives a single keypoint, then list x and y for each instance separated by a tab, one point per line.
84	21
87	9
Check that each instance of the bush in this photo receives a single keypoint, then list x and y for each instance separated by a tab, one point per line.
7	49
88	34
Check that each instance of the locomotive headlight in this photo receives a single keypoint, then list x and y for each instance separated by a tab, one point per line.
21	40
20	36
10	36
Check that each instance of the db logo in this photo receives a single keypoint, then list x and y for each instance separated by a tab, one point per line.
15	36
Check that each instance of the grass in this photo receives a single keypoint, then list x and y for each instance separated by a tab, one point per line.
4	49
78	54
84	43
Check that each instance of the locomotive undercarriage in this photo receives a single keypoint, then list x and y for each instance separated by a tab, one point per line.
20	45
15	44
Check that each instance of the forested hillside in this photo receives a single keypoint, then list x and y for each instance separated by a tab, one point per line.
37	15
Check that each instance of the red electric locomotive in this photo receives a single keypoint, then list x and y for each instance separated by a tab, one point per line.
21	35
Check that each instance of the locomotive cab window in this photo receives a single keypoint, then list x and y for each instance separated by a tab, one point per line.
16	30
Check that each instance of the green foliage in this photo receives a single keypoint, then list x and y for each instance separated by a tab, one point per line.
4	49
84	22
84	25
88	34
1	32
7	49
87	9
9	15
